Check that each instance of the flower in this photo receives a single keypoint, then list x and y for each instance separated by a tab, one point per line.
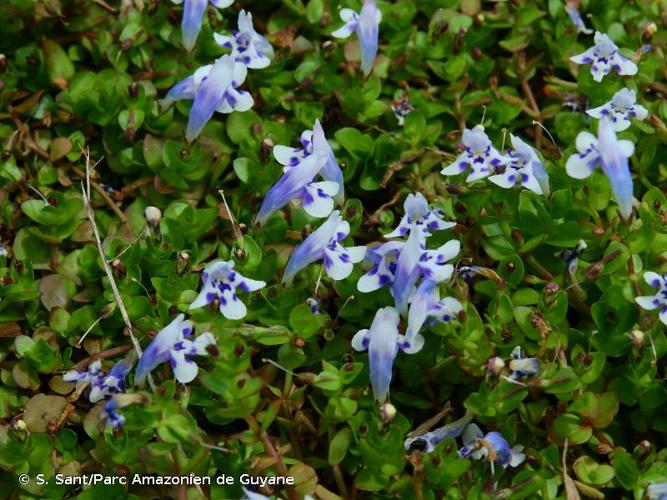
193	15
419	216
314	305
620	109
110	414
524	166
324	243
571	256
414	261
604	57
313	142
612	156
657	491
426	304
433	438
248	46
493	447
382	342
101	386
659	300
522	366
212	88
479	155
401	108
173	344
221	281
297	182
366	25
383	266
92	375
576	19
3	251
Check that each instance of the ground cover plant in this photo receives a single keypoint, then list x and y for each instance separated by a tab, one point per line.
410	249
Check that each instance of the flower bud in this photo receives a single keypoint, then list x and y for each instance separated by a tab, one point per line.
495	365
637	338
153	215
388	412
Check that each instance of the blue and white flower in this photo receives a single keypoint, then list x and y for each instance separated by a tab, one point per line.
604	57
525	167
415	261
173	343
612	156
432	438
571	256
193	15
324	244
366	25
111	415
576	19
382	259
419	216
317	198
313	142
382	341
221	282
3	251
479	156
212	88
425	304
522	366
622	107
401	108
248	47
659	300
92	375
112	383
314	305
657	491
492	447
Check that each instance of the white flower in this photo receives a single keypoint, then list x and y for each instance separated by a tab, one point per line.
221	281
248	46
659	300
479	155
620	109
603	57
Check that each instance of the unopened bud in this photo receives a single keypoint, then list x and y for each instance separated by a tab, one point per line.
495	365
637	338
20	425
388	412
182	255
650	28
153	215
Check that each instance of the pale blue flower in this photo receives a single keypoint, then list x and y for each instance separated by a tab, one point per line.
659	300
314	305
324	244
620	109
298	182
576	19
525	167
111	415
173	344
415	261
383	342
247	46
101	386
212	88
3	251
419	216
479	156
571	256
221	282
657	491
382	260
612	156
522	366
425	304
432	438
313	142
604	57
366	25
492	447
193	15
